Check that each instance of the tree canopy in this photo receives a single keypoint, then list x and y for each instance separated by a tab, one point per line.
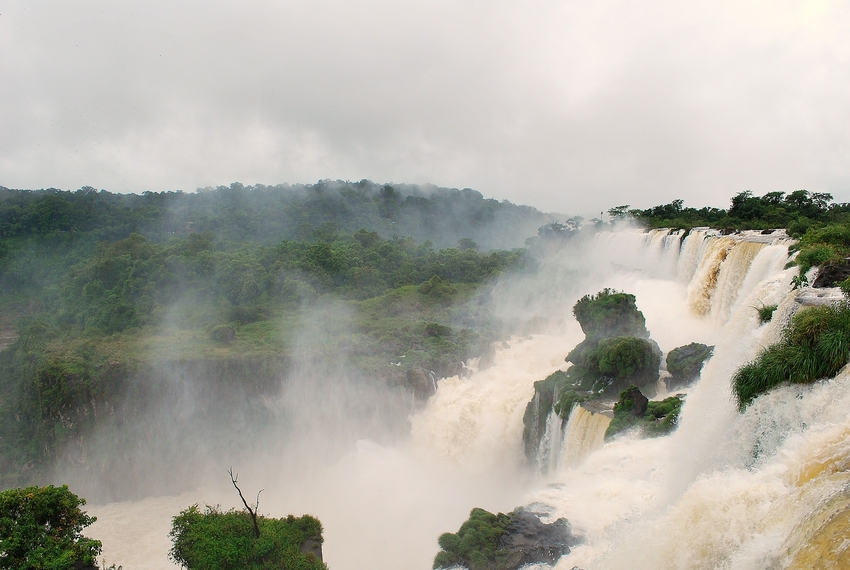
41	529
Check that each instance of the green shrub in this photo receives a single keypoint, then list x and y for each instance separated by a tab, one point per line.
815	345
766	313
40	528
566	402
217	540
824	245
223	334
626	358
476	544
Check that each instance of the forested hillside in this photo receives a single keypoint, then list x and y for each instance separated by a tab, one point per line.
107	298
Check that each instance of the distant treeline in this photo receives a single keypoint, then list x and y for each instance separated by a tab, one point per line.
796	211
268	214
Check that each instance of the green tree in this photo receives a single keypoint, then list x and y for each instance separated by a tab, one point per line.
40	529
222	540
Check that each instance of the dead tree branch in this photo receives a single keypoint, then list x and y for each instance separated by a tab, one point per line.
252	512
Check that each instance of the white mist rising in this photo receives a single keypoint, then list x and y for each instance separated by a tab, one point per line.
694	499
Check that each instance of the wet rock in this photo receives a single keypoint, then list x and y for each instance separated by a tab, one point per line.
528	540
422	382
832	275
488	541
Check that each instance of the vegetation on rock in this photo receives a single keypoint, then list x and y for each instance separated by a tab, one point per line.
654	418
615	353
40	528
608	314
212	539
476	544
685	362
766	312
504	541
815	345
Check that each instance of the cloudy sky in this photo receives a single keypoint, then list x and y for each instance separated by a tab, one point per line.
572	106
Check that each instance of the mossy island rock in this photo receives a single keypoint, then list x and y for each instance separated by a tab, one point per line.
615	354
610	313
654	418
616	351
488	541
685	363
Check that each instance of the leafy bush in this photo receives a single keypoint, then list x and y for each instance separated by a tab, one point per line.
217	540
223	334
565	403
476	544
626	358
815	345
40	528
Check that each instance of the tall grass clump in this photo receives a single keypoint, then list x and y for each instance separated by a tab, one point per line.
815	345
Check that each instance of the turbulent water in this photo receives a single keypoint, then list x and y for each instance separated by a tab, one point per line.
764	489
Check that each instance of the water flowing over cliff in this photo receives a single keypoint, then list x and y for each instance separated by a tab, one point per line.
766	488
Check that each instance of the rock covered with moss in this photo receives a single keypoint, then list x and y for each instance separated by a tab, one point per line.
488	541
634	409
615	354
685	363
616	351
610	313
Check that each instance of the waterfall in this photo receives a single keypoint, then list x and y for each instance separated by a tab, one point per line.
566	444
732	273
762	489
584	434
548	455
702	286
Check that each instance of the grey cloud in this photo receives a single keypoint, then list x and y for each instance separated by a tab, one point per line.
567	106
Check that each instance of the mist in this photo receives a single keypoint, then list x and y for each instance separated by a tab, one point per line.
387	474
562	105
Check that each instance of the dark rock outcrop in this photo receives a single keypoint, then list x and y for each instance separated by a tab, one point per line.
615	353
528	540
422	382
830	275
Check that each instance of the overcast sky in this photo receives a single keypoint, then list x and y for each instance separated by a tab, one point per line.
565	105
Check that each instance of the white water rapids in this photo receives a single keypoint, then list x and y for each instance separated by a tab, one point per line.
726	490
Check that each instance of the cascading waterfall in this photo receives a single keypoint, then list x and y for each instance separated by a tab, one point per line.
547	455
767	488
566	443
584	433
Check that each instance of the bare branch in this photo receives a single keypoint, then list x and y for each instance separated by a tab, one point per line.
253	511
257	504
